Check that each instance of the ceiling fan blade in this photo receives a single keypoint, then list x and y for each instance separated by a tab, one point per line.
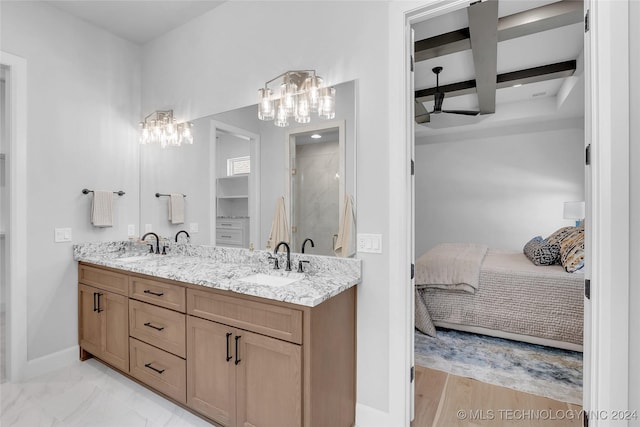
463	112
421	113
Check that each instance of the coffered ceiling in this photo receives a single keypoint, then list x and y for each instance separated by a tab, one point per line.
511	61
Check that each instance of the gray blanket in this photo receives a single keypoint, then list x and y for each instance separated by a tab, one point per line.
451	266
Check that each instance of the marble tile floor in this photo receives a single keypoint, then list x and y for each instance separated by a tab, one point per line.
88	394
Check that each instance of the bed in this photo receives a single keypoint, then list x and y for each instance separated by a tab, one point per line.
499	293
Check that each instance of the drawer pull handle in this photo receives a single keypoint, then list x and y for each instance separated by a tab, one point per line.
225	237
228	345
237	361
226	224
158	294
148	365
99	309
157	328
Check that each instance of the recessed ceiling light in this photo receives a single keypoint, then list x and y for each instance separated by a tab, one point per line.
517	85
316	136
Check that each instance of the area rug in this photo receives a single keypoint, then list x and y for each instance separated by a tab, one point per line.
530	368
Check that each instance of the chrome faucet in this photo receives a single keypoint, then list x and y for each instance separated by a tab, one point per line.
286	245
305	242
182	231
157	241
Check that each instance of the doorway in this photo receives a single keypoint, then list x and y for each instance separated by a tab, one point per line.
461	104
316	185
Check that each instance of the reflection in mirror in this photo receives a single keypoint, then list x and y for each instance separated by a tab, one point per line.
225	205
316	188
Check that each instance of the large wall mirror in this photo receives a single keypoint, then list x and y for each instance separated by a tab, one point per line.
238	170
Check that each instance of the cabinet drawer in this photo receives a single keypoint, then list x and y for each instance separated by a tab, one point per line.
103	279
229	236
158	326
230	223
161	370
266	319
157	292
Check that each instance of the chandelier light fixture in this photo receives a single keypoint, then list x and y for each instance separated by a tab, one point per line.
160	127
296	95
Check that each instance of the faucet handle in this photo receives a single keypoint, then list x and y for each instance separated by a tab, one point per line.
300	269
275	261
150	248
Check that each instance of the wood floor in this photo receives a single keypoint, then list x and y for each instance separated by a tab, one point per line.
445	400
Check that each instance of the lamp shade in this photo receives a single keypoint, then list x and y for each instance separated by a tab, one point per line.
573	210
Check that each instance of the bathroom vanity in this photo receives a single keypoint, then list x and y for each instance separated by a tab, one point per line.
235	352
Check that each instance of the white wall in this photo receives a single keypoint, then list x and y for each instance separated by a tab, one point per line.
634	214
497	190
234	50
83	105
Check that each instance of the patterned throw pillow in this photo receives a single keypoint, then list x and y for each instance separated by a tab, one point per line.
541	252
572	251
557	237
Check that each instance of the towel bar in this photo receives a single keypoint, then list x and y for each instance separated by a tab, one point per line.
119	193
167	195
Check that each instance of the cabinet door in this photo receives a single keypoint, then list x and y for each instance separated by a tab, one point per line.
211	387
269	382
89	320
115	329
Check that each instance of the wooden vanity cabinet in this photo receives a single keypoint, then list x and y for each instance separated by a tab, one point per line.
103	325
238	378
235	359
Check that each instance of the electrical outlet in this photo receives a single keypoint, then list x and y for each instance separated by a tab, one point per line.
371	243
131	230
193	227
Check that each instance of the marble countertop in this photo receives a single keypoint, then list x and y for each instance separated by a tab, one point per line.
222	268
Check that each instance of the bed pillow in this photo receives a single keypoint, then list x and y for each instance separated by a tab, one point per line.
541	252
572	251
558	236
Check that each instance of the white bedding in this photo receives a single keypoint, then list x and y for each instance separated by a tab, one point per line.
451	266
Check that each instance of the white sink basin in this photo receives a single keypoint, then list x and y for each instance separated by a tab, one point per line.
269	280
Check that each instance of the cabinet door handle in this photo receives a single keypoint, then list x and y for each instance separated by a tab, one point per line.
95	303
157	294
148	365
228	345
157	328
237	361
99	309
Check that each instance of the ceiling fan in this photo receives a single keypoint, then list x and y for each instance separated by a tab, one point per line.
424	116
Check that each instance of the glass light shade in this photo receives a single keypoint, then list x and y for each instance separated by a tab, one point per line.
282	116
312	84
327	106
302	109
265	106
288	97
144	134
187	135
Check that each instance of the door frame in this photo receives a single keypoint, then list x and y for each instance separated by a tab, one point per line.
606	120
16	328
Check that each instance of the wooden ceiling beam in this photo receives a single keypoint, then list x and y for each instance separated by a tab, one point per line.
543	18
483	28
528	75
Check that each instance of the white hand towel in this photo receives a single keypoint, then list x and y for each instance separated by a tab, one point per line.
102	209
279	228
346	241
176	208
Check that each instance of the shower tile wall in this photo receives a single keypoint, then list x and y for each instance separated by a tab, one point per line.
316	190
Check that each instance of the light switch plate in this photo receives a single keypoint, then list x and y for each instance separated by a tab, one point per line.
62	235
371	243
131	230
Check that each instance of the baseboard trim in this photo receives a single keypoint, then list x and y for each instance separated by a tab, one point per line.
366	416
51	362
